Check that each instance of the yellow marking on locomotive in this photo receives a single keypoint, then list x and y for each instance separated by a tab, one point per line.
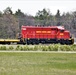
61	34
38	31
43	31
48	31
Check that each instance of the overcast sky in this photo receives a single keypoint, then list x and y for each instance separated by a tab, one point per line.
32	6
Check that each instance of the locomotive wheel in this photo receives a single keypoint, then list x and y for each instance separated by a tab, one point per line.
67	42
43	42
62	42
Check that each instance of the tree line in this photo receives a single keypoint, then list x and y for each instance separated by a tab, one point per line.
10	23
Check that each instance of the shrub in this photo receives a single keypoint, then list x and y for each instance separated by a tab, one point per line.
35	48
44	48
26	48
3	48
31	49
56	47
68	48
73	47
10	48
50	47
17	48
39	47
62	48
21	48
65	48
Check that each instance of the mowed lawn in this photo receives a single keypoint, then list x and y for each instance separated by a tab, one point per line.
37	63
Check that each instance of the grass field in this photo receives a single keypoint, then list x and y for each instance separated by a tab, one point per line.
37	63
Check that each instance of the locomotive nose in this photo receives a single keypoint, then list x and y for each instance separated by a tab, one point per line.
72	38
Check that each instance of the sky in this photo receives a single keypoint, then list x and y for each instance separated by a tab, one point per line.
32	6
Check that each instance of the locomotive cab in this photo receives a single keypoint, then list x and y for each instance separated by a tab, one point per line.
64	36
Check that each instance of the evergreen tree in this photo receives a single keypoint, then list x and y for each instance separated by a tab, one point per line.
8	11
0	14
19	13
43	17
58	18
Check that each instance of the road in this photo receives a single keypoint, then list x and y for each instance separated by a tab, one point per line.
38	51
74	40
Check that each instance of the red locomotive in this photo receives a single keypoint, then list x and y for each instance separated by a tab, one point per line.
44	35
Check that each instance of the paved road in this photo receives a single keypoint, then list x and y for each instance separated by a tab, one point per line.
74	40
39	51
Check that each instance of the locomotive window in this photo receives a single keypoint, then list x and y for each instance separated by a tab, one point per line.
53	29
61	30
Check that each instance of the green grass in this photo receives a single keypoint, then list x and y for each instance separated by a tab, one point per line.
28	63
